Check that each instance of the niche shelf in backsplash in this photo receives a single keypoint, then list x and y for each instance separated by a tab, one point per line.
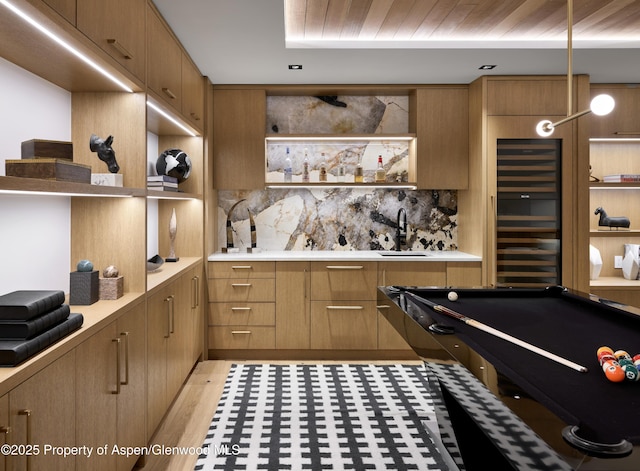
339	131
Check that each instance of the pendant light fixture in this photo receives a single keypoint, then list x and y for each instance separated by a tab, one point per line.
600	105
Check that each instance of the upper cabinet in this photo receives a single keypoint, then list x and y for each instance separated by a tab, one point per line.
120	35
165	61
192	93
238	138
440	120
66	8
623	121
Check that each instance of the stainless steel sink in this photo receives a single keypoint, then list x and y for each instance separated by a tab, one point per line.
393	253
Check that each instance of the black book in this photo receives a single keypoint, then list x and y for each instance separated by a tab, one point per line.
11	329
13	352
24	305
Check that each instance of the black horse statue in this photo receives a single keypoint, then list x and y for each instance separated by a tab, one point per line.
620	221
105	152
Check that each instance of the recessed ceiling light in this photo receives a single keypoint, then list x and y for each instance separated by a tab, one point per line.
295	66
487	67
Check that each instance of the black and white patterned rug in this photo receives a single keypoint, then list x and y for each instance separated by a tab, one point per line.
337	416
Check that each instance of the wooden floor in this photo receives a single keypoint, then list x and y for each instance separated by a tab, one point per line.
188	420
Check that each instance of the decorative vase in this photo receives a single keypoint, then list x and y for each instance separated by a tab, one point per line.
595	263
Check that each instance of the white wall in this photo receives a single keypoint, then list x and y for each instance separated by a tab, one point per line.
34	230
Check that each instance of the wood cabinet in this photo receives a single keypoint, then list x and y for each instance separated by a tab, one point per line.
623	121
164	61
293	301
46	419
239	120
242	308
440	120
110	378
120	35
5	429
192	93
66	9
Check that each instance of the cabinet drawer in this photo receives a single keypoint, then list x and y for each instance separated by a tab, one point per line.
343	281
235	290
242	337
344	325
244	270
242	314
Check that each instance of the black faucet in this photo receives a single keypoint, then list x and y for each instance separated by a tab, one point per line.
401	229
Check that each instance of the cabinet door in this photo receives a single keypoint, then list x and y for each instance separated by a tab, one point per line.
66	8
178	351
43	408
4	427
623	121
442	129
239	121
192	93
165	61
196	337
131	406
293	306
350	325
158	333
97	387
119	34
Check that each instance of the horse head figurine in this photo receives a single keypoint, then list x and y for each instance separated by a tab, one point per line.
105	151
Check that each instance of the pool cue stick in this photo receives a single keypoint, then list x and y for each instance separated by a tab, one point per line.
490	330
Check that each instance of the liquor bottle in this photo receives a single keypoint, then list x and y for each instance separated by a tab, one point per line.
341	171
381	175
358	175
305	167
323	169
288	171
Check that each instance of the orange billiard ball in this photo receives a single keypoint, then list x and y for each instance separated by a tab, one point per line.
613	372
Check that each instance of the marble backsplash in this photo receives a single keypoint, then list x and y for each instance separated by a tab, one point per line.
339	219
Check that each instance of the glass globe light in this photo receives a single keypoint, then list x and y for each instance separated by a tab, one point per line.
602	105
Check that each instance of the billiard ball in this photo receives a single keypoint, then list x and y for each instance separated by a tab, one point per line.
621	354
609	363
614	373
631	372
452	296
603	350
605	357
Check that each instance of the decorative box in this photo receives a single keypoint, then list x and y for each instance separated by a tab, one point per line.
49	169
107	179
85	287
111	288
39	148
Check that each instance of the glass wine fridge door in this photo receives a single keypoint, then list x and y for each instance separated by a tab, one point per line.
528	212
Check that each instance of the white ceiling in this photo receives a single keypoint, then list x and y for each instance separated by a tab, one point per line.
243	42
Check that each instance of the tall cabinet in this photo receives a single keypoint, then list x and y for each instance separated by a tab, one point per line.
104	368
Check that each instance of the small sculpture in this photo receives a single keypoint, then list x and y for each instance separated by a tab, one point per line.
110	272
617	222
175	163
84	266
173	229
105	152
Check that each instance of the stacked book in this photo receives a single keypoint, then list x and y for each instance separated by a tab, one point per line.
31	321
162	183
619	178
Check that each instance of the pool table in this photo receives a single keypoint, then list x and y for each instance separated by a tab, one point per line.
597	418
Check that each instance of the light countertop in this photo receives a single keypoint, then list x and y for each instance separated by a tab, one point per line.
346	255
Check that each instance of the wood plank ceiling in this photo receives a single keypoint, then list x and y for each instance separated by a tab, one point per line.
404	20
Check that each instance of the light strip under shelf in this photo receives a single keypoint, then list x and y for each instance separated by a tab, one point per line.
614	139
57	39
367	186
371	137
169	117
61	193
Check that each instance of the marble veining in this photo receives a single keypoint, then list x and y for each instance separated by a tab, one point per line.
340	218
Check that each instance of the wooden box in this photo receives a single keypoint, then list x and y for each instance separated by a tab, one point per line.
49	169
38	148
111	288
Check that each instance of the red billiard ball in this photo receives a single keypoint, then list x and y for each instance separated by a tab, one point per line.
605	357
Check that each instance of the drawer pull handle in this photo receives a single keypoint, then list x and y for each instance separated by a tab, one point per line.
383	306
126	357
344	267
240	308
244	332
169	93
241	267
241	285
118	366
195	116
27	413
120	48
345	308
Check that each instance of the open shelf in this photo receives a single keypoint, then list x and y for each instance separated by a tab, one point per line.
36	186
168	271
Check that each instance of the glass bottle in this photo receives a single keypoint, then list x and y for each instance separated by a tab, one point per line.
288	171
381	175
341	170
323	169
305	167
358	175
